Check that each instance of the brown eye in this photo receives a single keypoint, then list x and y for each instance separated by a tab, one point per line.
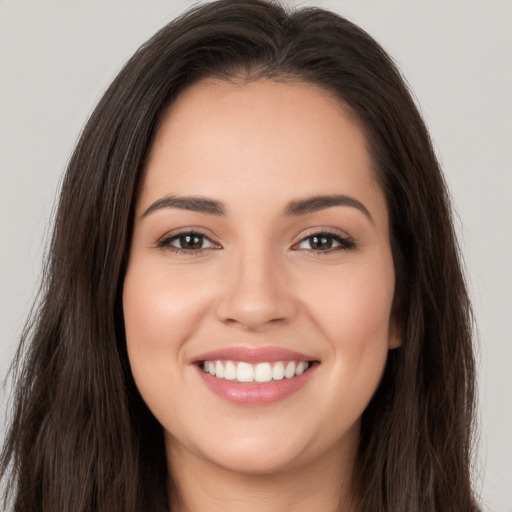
190	242
187	242
320	242
325	242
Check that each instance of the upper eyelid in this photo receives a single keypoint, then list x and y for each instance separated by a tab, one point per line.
345	240
325	231
185	231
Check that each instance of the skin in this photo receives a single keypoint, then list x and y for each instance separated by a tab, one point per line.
255	148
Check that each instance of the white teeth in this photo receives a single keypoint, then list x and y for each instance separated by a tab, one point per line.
261	372
230	371
219	370
278	371
300	368
245	372
289	371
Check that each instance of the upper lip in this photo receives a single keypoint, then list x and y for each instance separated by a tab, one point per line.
252	355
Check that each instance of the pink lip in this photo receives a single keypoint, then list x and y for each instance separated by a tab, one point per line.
252	393
252	355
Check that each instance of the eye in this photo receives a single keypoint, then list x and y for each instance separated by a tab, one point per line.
325	242
187	242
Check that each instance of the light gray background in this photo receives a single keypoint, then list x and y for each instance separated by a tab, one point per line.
57	57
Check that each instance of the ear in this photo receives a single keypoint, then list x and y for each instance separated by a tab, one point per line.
396	327
395	336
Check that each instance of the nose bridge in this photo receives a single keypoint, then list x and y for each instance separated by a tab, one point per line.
255	293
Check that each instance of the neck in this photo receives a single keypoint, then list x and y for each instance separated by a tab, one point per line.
323	485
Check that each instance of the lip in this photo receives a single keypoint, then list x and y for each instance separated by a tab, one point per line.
252	355
252	393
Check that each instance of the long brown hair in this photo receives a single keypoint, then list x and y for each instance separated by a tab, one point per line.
81	438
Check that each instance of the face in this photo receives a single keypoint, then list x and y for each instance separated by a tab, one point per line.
260	254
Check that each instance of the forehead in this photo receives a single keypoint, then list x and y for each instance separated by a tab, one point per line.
233	141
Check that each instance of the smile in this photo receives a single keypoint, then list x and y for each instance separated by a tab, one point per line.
255	376
259	373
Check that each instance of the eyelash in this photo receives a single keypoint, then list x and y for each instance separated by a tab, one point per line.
165	243
346	243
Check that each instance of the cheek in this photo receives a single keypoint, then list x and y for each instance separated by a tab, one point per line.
352	304
161	312
353	316
160	308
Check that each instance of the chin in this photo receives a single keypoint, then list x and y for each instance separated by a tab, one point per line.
251	454
248	460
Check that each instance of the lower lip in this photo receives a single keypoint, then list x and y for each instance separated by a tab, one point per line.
253	393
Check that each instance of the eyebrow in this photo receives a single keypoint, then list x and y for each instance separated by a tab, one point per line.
293	208
194	203
316	203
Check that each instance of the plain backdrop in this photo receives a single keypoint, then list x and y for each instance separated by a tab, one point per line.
57	57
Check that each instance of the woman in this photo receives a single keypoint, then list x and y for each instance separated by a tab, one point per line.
254	299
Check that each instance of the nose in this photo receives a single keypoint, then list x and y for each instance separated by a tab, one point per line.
255	294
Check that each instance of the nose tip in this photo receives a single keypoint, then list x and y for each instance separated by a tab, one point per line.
255	299
252	319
